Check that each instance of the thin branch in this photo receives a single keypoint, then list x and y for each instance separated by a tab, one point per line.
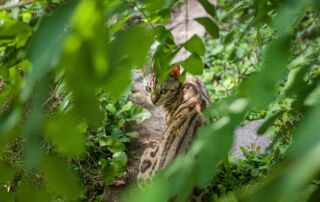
186	24
20	4
134	3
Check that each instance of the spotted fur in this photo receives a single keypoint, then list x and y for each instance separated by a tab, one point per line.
184	104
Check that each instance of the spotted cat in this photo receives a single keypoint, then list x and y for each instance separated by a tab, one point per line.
184	104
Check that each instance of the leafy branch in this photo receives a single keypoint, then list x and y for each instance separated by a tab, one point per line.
20	4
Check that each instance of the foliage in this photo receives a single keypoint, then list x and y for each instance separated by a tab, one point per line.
65	66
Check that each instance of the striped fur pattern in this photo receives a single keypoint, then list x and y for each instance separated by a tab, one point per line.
184	104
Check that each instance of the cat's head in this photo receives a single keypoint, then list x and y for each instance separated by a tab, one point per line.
160	93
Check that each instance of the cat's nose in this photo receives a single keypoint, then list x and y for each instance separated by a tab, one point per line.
153	98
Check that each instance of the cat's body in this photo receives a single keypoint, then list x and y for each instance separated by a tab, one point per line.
184	104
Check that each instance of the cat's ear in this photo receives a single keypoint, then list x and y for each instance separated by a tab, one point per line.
151	70
175	72
146	70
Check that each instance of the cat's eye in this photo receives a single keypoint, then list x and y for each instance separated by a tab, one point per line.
164	91
148	89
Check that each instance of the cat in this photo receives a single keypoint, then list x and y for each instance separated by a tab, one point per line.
184	104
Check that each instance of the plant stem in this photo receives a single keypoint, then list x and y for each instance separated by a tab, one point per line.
22	3
142	12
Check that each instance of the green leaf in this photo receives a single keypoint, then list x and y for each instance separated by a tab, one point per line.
179	183
155	5
129	49
7	172
120	72
161	17
195	45
114	167
31	193
287	18
210	26
263	85
269	121
8	122
46	44
211	10
6	196
193	64
136	43
299	167
126	107
113	144
294	84
121	158
60	179
33	126
151	192
15	30
69	140
85	60
314	97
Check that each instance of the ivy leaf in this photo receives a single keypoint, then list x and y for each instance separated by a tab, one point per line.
195	45
210	26
121	158
193	64
113	144
115	167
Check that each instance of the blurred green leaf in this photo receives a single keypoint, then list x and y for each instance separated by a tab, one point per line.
135	43
271	72
59	177
289	15
314	97
179	183
269	121
211	10
9	120
295	81
33	125
47	43
210	26
300	165
7	172
214	142
193	64
120	72
31	193
151	192
15	30
69	140
154	5
161	16
6	196
195	45
85	60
